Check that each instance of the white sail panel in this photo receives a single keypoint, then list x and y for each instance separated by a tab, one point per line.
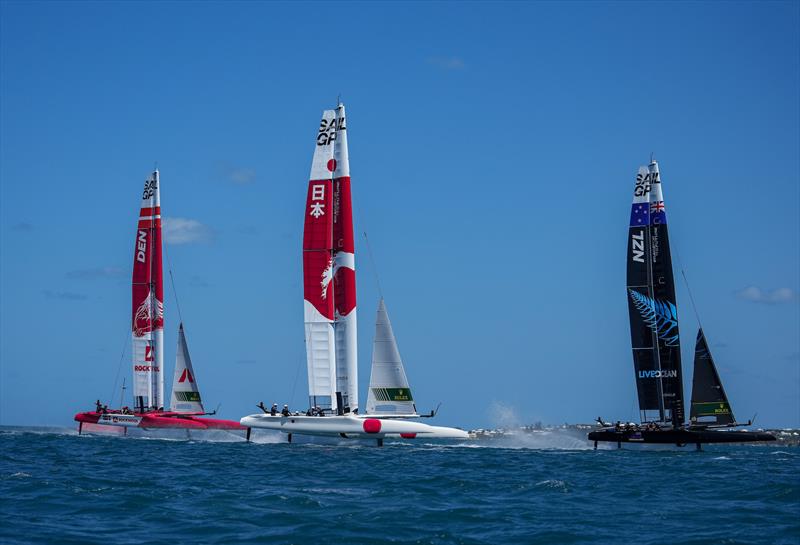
320	359
185	391
388	386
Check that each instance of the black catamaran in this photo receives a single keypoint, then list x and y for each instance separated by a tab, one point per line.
655	340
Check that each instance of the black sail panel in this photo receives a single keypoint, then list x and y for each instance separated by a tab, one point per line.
651	303
639	290
709	402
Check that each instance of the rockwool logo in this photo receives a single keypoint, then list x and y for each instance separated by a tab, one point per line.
658	374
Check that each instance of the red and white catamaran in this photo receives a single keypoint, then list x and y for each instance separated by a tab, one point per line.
147	327
330	319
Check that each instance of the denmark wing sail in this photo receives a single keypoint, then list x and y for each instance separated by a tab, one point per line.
185	391
147	320
388	386
709	403
651	303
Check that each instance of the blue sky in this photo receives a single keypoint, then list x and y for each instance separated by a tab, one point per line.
493	151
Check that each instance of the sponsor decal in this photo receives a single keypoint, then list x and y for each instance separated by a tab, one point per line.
148	353
637	246
658	374
711	409
118	419
191	397
186	375
656	207
660	316
146	368
392	394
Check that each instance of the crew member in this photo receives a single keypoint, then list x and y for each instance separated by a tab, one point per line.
98	405
262	407
274	410
285	411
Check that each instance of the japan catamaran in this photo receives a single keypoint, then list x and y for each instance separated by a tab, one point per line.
656	346
330	319
147	327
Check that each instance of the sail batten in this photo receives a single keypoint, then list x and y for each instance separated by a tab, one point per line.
655	338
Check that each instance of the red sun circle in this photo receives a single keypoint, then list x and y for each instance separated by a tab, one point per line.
332	165
372	425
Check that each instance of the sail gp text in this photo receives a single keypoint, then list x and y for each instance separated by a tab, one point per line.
658	374
327	132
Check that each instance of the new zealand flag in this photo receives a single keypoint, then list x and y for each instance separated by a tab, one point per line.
640	214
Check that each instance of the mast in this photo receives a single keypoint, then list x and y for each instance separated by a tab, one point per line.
651	304
709	402
147	289
344	271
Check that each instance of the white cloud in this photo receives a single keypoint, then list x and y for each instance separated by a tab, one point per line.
185	231
770	297
242	176
447	63
97	272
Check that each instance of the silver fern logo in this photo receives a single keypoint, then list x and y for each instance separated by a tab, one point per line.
660	316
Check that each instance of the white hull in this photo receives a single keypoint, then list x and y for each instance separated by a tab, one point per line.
364	427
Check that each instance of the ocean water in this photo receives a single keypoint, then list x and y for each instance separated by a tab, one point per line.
58	487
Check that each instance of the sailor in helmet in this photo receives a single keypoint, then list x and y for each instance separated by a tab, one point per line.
285	411
274	410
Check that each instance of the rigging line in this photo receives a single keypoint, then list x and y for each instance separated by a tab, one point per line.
374	267
119	366
688	288
172	283
294	386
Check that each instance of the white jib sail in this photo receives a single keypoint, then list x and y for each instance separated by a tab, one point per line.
388	386
185	391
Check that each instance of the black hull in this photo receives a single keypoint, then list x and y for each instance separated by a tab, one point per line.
678	436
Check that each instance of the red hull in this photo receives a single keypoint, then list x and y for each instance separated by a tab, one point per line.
164	420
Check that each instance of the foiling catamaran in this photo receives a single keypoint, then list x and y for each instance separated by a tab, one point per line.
656	347
147	326
330	319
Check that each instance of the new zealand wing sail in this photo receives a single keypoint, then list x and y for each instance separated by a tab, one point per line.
709	402
651	303
147	321
185	391
388	386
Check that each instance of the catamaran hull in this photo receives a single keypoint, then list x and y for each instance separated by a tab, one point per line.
160	421
679	437
351	427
